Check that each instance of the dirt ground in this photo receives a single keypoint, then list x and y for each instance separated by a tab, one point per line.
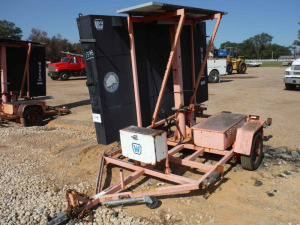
242	197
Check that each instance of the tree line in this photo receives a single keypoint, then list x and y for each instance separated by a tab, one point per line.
54	45
259	47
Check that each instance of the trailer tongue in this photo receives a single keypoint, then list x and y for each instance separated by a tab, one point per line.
150	151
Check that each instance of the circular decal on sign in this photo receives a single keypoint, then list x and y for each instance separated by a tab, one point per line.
111	82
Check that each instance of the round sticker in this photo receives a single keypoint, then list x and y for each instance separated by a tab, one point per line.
111	82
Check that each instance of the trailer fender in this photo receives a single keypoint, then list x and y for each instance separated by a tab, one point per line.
245	136
22	108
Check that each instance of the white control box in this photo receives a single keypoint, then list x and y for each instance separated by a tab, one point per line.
144	144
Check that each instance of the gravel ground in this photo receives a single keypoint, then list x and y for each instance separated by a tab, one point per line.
29	194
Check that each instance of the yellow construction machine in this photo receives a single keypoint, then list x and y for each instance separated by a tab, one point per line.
234	61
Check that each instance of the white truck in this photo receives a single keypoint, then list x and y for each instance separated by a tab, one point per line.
215	68
252	63
292	75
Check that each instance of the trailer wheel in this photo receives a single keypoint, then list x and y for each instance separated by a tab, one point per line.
64	76
253	161
229	68
242	68
32	117
213	76
290	86
154	203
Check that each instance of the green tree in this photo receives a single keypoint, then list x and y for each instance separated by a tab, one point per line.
246	49
296	43
260	42
258	46
228	44
8	30
38	35
275	51
54	45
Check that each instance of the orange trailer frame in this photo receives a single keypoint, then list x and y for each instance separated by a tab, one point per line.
113	195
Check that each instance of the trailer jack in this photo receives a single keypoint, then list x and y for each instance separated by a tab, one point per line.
150	201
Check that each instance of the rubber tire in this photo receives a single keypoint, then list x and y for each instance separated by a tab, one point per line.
154	203
242	68
213	76
248	162
32	117
229	68
290	86
64	76
54	78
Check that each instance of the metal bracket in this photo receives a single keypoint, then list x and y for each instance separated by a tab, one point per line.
87	40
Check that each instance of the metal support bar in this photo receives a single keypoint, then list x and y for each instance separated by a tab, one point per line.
99	180
122	179
189	163
194	147
178	85
127	180
3	74
192	55
167	72
225	158
195	155
159	191
176	149
134	72
152	172
218	16
161	122
26	69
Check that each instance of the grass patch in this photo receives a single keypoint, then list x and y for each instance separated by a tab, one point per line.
271	64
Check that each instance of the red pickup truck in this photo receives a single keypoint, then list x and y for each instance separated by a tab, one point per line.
69	66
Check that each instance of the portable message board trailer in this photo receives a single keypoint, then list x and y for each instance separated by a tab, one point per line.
106	46
150	150
23	77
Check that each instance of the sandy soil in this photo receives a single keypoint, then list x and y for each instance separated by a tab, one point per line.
70	144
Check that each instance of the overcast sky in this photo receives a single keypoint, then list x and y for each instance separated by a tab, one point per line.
245	18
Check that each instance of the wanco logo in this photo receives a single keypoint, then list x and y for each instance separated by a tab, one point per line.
137	149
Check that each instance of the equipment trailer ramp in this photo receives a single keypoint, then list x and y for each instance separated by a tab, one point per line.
143	149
